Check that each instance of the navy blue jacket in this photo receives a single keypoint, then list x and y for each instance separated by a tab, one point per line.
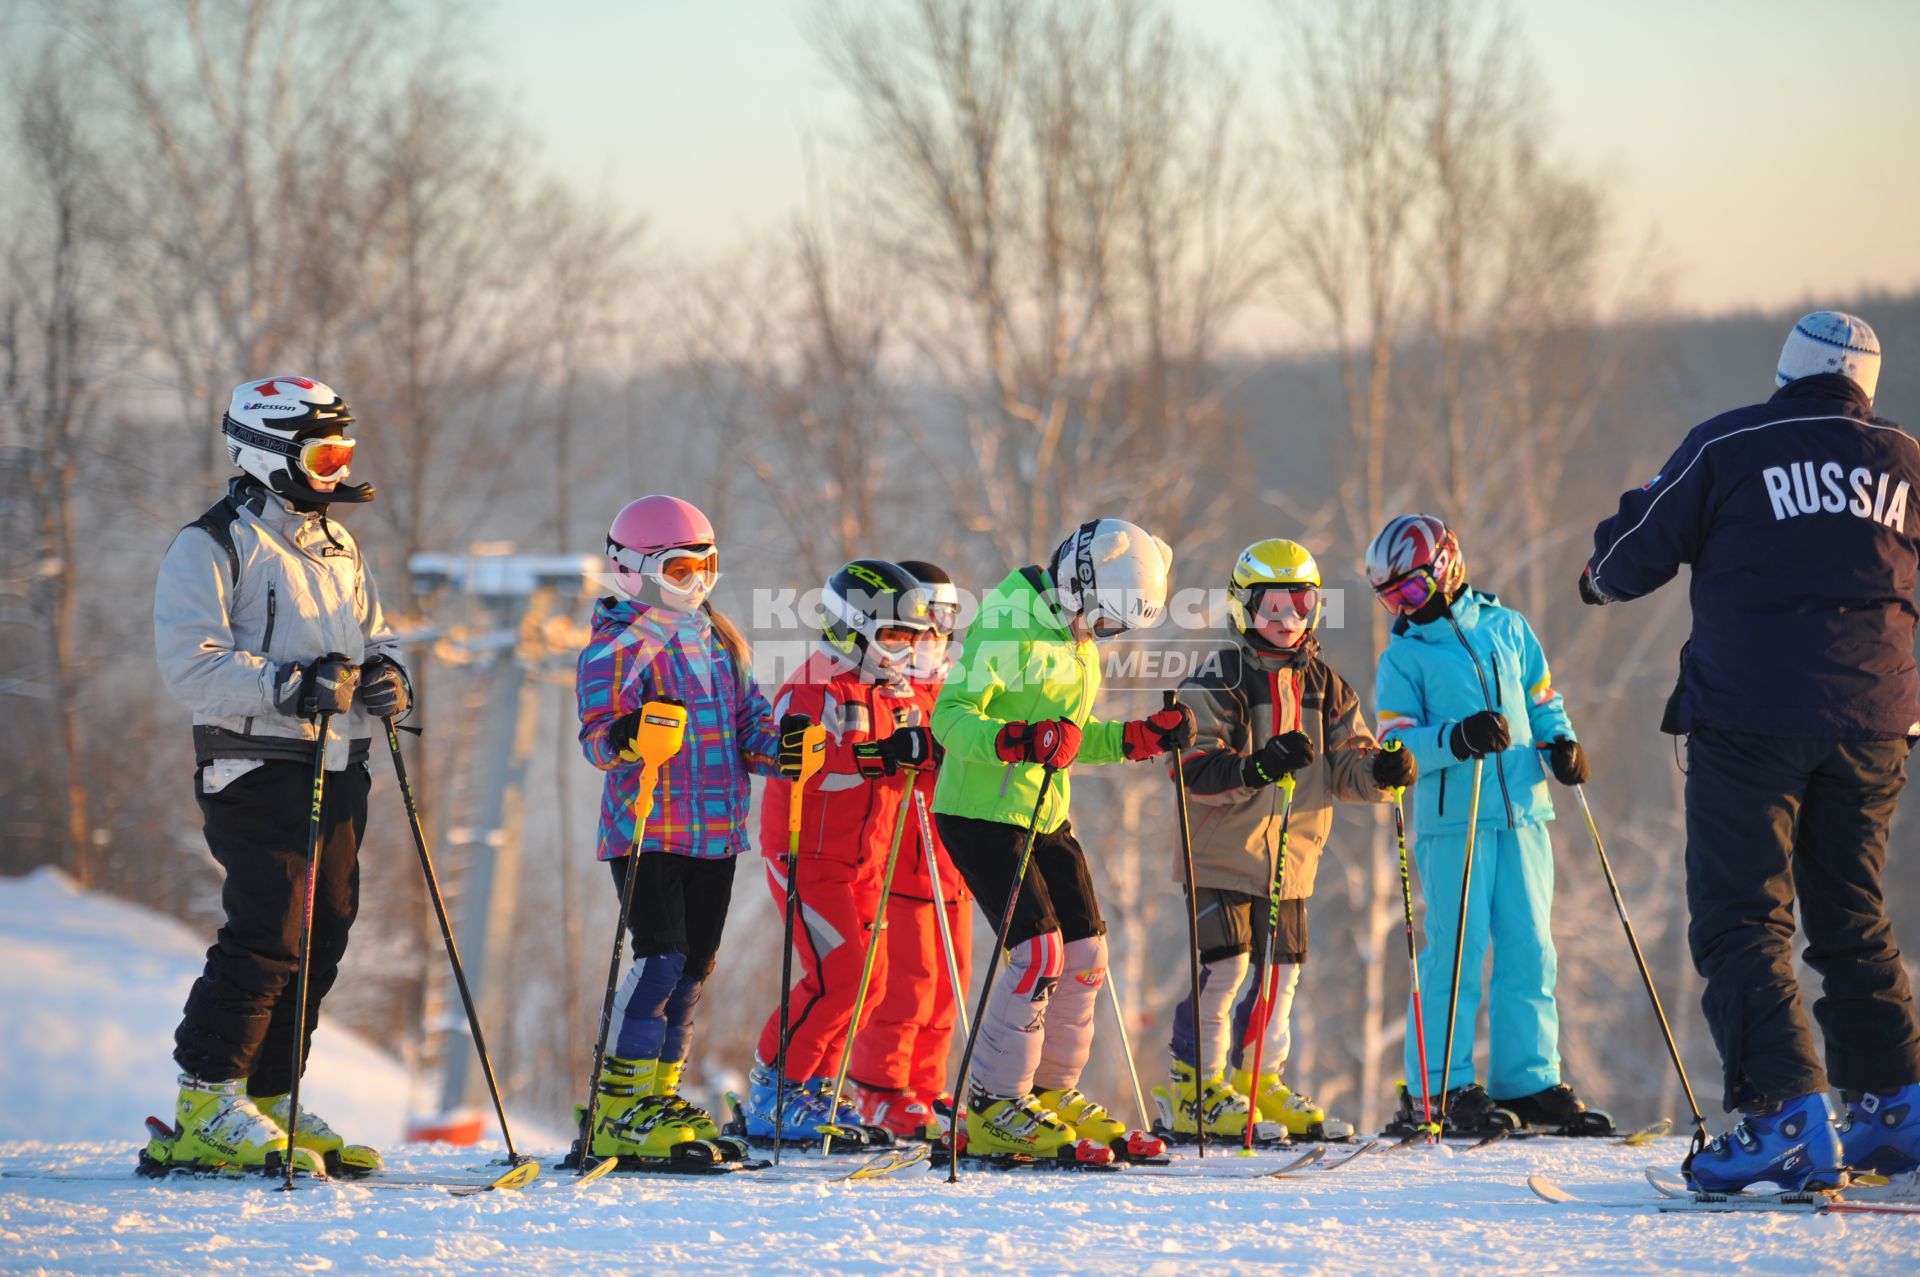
1800	518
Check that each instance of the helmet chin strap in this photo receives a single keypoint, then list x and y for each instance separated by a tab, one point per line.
285	485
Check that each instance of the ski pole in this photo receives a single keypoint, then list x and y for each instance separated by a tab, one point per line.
1460	938
866	970
1260	1014
446	933
662	730
1126	1051
940	911
1170	701
1646	976
1413	962
306	945
993	964
813	755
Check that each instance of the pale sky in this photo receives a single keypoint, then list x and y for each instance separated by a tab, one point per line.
1771	146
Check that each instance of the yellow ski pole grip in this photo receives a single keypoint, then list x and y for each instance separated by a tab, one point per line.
1394	747
661	733
813	756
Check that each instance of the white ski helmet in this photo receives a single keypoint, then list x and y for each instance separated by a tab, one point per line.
1114	574
286	431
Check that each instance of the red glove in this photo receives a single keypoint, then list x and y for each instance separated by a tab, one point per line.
1157	733
1054	743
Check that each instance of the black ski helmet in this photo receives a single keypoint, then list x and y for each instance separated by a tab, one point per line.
864	597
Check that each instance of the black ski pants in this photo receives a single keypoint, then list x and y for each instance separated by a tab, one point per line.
238	1020
1055	895
1774	823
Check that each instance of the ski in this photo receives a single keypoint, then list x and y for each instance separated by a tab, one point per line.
1349	1154
1298	1164
1647	1134
700	1157
1675	1198
893	1160
1067	1159
511	1179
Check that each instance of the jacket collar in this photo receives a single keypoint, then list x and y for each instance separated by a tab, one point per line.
1466	613
1269	662
1830	386
1045	608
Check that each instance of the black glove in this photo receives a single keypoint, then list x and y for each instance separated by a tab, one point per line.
1394	769
1590	593
383	688
908	747
1569	762
325	686
793	737
1281	756
1480	734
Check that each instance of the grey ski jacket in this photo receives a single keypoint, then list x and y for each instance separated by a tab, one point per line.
225	628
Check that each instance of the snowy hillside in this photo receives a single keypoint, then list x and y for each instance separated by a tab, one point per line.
90	992
89	989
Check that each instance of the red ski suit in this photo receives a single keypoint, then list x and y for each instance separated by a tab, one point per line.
905	1044
846	828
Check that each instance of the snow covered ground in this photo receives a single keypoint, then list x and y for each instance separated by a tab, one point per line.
89	989
1408	1213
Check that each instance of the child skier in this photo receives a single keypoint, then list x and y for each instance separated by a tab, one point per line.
1463	678
664	639
265	618
1269	707
1020	704
855	685
899	1074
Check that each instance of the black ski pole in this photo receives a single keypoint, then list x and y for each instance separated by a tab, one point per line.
986	985
1169	701
1646	976
1413	961
1460	939
446	934
662	728
813	745
306	944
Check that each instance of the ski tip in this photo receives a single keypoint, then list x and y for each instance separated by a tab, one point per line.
517	1177
596	1171
1548	1191
1649	1133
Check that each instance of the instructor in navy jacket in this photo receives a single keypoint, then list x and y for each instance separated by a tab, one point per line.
1799	698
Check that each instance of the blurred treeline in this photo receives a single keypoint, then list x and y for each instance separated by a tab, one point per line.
1020	297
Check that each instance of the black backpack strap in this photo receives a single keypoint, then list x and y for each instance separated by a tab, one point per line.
217	523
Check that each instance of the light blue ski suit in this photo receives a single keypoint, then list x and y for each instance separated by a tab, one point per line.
1431	676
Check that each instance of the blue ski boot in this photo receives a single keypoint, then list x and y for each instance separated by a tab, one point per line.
1792	1143
847	1116
806	1113
1882	1131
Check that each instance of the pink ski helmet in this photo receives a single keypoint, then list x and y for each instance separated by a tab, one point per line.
646	534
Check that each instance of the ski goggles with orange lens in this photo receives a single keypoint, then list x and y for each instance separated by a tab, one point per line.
678	567
1409	593
326	458
897	635
1279	602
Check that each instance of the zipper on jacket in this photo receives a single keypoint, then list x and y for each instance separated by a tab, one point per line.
1499	771
1443	793
273	607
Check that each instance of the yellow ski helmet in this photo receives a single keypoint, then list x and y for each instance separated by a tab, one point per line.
1273	566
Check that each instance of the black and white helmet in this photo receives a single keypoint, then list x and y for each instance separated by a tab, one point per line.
289	431
1113	573
871	611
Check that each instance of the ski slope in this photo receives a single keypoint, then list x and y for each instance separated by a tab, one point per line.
89	989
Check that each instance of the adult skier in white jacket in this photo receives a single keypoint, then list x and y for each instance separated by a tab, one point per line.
265	618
